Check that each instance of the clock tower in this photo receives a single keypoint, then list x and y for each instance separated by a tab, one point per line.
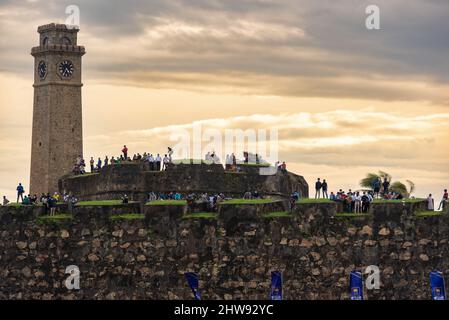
57	113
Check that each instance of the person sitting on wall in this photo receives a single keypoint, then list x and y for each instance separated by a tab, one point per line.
247	195
295	195
256	194
82	167
125	199
283	167
443	200
26	201
33	199
5	201
332	196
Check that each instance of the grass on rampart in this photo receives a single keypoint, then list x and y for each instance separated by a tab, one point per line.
249	201
253	164
312	200
128	216
277	214
424	214
201	215
351	215
54	219
167	203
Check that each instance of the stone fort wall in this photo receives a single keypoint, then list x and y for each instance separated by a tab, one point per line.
144	257
136	181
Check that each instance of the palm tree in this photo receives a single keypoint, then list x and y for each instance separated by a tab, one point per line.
368	181
396	186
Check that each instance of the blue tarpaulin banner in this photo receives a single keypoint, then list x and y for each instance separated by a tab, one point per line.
356	285
437	285
192	280
276	286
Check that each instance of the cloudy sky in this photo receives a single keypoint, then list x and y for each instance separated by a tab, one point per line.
346	100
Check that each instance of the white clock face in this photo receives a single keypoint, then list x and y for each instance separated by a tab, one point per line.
66	68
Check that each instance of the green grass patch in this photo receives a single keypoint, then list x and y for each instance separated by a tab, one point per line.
167	203
351	215
312	200
253	164
423	214
128	216
249	201
277	214
54	219
14	204
200	215
19	204
398	201
100	203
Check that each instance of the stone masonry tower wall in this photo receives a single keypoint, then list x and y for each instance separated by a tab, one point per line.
57	112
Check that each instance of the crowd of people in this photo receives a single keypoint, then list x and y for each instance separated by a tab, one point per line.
205	201
156	162
360	201
353	202
49	201
431	201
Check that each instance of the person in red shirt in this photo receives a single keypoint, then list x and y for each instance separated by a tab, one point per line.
445	197
125	152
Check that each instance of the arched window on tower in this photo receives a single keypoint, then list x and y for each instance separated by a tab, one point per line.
66	41
45	41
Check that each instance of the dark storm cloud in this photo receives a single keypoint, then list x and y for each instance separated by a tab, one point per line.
297	48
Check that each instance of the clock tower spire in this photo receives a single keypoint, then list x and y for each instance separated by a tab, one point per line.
57	113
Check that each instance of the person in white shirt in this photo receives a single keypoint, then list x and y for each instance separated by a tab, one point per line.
158	162
165	161
170	153
357	203
430	203
151	161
